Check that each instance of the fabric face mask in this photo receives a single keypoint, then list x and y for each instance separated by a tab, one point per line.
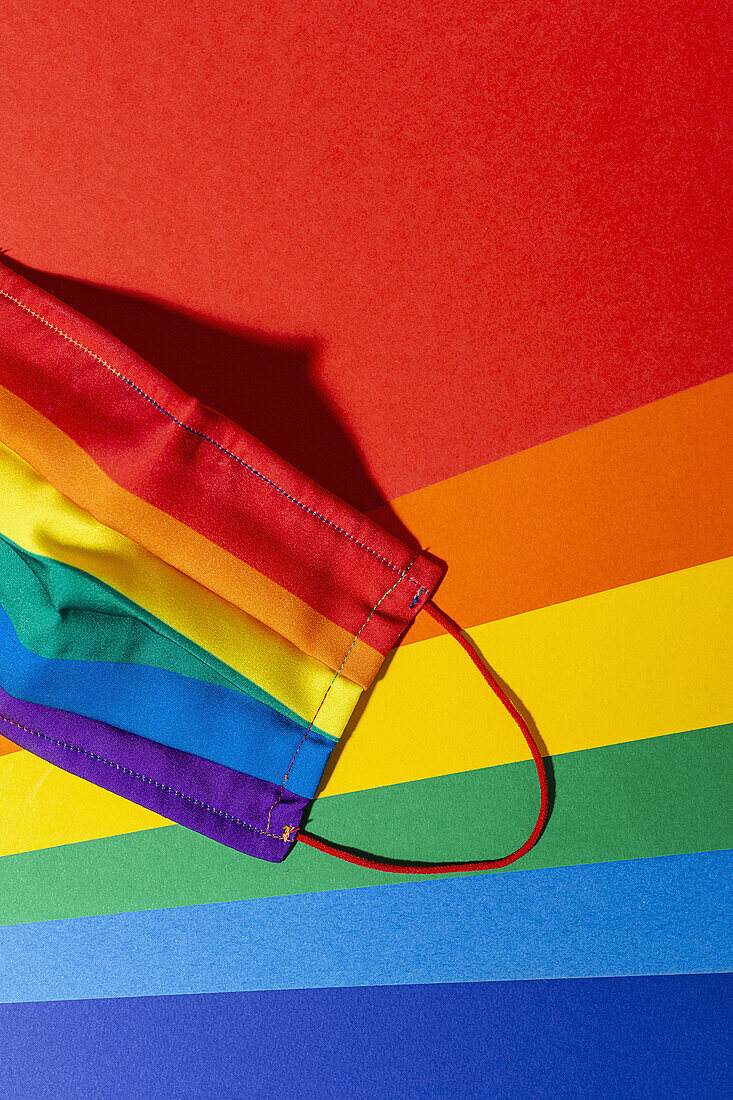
185	619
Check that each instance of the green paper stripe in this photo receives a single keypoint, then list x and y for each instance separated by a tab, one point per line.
60	611
664	796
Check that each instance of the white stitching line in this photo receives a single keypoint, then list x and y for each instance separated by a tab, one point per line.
204	805
336	675
195	431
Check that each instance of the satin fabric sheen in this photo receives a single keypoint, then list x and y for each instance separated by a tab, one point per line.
185	619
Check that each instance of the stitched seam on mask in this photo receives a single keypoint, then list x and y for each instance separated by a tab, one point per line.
202	435
146	779
336	675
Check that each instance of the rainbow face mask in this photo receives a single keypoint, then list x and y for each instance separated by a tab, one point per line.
185	619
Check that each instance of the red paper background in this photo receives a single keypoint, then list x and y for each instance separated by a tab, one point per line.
409	237
397	241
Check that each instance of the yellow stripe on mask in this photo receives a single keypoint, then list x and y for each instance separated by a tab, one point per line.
40	519
68	467
640	661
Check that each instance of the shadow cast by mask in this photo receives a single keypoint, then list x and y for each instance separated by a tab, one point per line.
265	383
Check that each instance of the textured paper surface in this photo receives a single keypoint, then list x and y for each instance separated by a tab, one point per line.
446	1040
506	220
647	916
399	245
621	802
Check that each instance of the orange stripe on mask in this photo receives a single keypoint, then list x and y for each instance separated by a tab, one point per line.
63	463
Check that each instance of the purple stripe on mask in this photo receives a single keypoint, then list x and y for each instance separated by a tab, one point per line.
232	808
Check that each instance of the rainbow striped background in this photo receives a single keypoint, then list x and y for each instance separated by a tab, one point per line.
185	619
595	571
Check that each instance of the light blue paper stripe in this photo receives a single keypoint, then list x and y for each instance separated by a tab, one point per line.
650	916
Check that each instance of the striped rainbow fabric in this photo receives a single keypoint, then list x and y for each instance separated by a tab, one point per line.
600	964
185	619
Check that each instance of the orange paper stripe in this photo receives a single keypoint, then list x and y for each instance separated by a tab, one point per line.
636	496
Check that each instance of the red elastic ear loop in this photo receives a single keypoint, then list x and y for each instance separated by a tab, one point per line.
476	865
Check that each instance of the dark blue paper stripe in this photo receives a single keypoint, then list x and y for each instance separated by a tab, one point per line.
647	1038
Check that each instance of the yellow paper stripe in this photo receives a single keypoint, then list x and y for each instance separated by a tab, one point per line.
40	519
640	661
43	806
